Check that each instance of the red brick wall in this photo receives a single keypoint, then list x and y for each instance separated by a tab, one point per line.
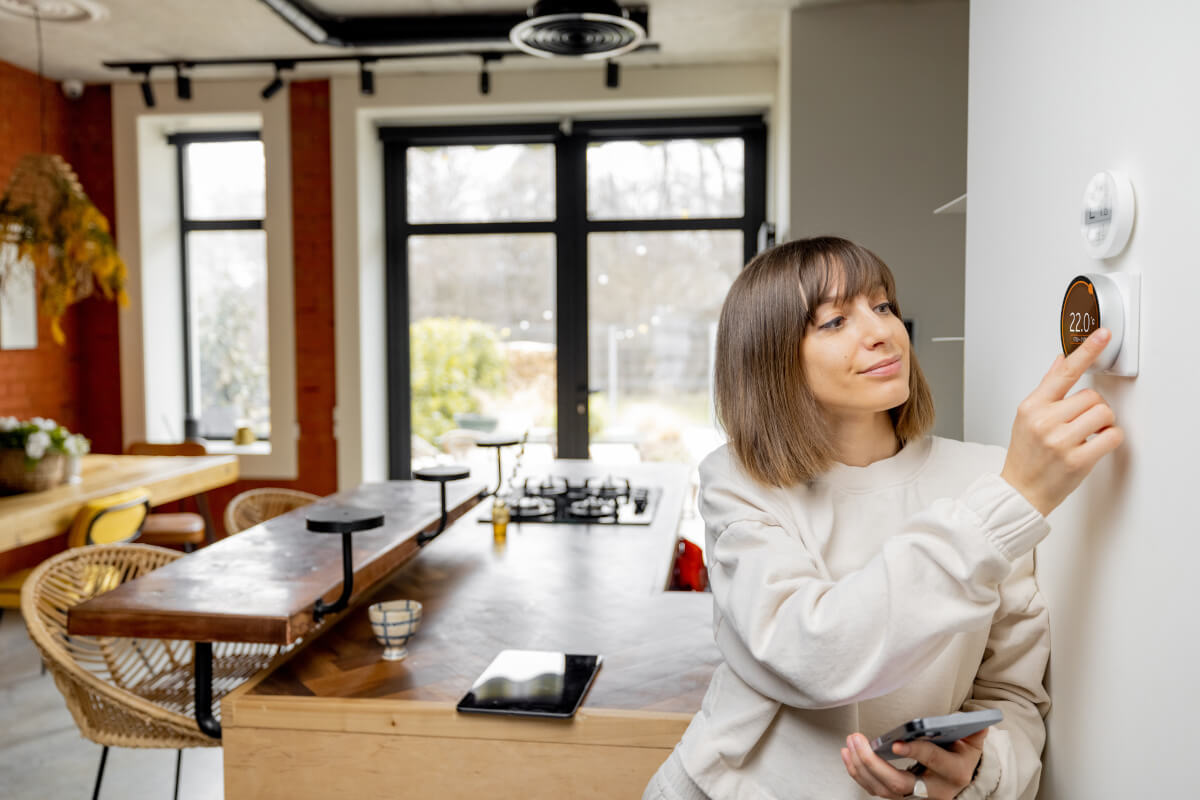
97	346
312	244
41	382
79	384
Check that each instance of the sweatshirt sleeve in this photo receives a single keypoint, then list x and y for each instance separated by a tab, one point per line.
1011	678
802	639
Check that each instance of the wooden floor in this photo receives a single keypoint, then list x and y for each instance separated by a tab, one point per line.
42	755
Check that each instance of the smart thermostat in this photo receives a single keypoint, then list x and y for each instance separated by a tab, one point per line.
1108	209
1108	301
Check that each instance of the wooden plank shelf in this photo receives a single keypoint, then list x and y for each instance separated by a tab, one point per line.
260	585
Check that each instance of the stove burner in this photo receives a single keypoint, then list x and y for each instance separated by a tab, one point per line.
555	499
529	507
593	507
609	488
549	486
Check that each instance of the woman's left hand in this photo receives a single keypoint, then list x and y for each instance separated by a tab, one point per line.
947	772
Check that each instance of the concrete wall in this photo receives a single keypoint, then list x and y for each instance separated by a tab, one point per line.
1058	92
877	110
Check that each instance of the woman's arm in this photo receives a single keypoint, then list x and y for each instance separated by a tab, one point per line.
800	638
1011	679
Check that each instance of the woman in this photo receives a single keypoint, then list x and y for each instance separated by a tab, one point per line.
863	572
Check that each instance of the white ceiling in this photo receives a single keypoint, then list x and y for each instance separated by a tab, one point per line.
688	31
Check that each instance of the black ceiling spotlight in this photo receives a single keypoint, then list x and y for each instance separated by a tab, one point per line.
485	79
275	85
366	78
612	75
577	29
183	84
147	89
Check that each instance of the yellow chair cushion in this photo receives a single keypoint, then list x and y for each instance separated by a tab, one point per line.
105	521
10	588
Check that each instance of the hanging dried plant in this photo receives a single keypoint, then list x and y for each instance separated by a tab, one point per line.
47	219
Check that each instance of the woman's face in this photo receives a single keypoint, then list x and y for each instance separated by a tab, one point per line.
843	344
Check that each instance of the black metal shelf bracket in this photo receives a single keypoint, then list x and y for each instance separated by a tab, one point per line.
202	666
321	608
346	520
442	475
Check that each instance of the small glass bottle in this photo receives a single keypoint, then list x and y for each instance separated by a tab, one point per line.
500	518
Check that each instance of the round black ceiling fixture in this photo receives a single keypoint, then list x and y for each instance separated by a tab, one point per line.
577	29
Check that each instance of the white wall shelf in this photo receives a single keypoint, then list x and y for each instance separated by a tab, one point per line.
956	206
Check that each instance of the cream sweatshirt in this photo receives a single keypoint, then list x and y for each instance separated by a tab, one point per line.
856	602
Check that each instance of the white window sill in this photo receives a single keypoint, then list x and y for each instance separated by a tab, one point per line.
259	459
223	448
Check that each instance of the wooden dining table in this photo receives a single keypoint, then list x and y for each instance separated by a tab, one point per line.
34	517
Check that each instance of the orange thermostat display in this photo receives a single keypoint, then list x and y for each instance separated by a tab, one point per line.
1108	300
1080	313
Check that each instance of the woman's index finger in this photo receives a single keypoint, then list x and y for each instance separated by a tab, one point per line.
1066	372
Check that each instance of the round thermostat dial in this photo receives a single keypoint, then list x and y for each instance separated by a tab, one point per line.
1108	210
1093	301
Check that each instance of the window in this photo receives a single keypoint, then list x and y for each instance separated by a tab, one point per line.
223	256
563	284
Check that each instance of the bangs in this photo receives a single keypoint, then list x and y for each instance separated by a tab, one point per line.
842	271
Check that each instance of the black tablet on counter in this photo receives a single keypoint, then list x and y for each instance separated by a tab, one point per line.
532	683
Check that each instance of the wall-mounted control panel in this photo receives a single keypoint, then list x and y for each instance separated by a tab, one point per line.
1112	301
1108	211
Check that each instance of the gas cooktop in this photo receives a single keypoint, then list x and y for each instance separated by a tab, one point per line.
592	501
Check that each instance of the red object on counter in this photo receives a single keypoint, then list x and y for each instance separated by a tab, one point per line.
688	573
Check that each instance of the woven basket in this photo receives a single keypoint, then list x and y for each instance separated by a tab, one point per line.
47	473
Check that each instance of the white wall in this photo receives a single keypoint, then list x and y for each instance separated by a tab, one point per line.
1059	91
877	106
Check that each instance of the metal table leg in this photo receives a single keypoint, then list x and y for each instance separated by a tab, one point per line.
206	512
203	690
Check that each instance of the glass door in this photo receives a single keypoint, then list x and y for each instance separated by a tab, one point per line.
481	299
563	283
655	290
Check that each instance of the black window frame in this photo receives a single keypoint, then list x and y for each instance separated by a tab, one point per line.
191	421
571	227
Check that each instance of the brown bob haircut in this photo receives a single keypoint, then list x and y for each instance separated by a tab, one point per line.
777	429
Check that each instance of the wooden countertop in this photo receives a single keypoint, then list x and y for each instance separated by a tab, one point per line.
34	516
260	585
578	588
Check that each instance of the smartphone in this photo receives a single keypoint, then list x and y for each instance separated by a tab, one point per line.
942	731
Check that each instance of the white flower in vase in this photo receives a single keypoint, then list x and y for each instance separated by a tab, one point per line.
9	424
36	444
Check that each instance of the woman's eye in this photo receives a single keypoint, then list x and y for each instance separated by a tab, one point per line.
888	306
832	323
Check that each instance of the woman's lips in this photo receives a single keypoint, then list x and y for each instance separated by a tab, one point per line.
886	370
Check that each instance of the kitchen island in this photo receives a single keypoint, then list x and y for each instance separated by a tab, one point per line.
336	720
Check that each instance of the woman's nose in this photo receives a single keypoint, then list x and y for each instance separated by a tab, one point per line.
876	328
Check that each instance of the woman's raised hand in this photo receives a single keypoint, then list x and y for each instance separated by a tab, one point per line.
1049	453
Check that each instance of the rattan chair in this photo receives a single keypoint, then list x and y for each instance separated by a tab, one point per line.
125	692
259	505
